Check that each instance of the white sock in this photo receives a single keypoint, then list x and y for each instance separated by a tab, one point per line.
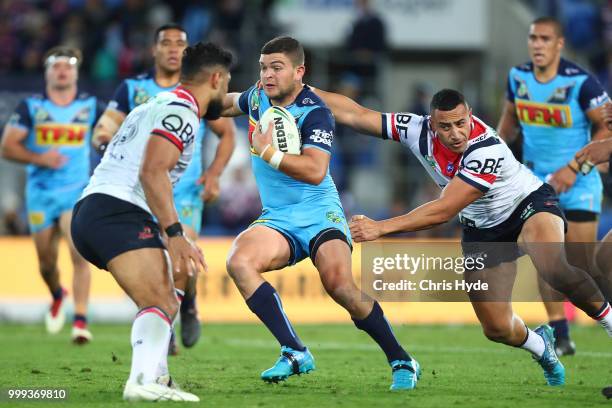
604	318
534	343
162	368
150	337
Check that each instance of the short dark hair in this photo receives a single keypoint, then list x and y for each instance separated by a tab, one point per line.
558	27
446	100
285	45
201	56
169	26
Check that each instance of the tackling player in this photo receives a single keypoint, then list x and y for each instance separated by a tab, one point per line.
113	225
302	217
557	106
498	200
51	133
189	196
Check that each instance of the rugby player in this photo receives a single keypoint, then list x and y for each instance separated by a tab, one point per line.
557	106
51	133
195	186
302	217
498	200
113	225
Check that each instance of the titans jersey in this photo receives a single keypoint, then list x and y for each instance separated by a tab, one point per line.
135	91
552	115
486	164
316	127
64	128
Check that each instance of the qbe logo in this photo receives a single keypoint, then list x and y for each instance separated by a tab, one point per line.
322	136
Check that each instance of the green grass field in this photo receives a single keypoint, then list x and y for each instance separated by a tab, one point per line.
460	368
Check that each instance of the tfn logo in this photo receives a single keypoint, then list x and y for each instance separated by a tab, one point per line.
542	114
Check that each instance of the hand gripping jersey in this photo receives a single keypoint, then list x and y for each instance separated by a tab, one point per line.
552	115
134	92
316	126
171	115
65	128
487	164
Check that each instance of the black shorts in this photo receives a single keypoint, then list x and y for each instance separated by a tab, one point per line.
476	241
104	227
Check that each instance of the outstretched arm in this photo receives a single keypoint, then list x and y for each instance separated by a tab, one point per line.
349	113
225	129
230	105
457	195
508	125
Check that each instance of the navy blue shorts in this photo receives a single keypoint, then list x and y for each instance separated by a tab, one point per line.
104	227
481	240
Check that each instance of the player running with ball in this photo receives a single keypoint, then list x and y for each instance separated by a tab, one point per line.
302	217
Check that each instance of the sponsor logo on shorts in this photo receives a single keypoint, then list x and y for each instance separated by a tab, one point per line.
527	212
59	134
334	217
36	218
146	233
322	136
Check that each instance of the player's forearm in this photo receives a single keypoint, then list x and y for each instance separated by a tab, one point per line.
421	218
107	126
507	128
225	148
230	105
18	153
600	132
158	192
303	168
349	113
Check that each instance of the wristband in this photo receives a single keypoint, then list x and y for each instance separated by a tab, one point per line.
264	150
276	159
586	167
572	169
102	148
174	230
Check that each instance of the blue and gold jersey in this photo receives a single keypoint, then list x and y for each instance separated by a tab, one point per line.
65	128
316	126
552	115
134	92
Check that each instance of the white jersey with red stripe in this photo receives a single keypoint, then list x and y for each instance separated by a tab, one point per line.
171	115
486	164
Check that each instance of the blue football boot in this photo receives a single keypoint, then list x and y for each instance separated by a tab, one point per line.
289	363
554	372
405	374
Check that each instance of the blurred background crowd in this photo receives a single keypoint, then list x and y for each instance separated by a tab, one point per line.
390	55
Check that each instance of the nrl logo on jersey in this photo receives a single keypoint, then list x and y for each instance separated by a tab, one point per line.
255	101
521	89
307	101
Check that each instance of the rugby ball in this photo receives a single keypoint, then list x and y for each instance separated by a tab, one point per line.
285	134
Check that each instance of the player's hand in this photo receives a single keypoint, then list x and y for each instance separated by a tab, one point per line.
261	140
211	186
595	152
562	179
364	229
52	159
186	256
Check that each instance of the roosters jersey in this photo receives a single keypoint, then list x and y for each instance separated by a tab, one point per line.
487	164
171	115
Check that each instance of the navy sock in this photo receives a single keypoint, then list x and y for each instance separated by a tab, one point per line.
58	293
266	304
379	329
561	328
